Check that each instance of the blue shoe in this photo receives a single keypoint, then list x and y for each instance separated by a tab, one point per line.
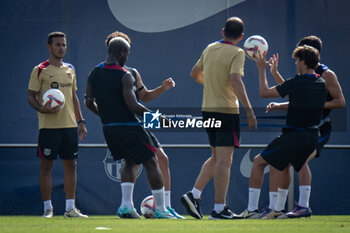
268	214
164	215
299	212
125	212
173	212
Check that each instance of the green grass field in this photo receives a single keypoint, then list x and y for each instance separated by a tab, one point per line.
36	224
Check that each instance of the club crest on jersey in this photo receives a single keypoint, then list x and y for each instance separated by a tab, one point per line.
69	76
112	167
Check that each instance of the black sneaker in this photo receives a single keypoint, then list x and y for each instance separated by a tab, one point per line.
225	214
192	205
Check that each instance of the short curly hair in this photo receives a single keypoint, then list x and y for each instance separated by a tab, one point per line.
308	54
116	34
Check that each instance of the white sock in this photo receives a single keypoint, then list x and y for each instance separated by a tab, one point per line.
219	207
253	202
273	199
127	193
304	195
281	199
70	204
167	198
196	193
47	205
158	196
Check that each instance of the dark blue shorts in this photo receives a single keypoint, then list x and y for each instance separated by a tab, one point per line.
62	142
292	147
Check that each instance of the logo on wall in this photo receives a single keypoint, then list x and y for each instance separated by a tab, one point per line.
246	165
151	120
112	167
160	16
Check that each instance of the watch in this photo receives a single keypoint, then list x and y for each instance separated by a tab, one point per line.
82	121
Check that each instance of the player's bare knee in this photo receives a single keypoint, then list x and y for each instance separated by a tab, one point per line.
258	161
162	157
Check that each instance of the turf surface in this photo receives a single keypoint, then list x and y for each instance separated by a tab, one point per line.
94	223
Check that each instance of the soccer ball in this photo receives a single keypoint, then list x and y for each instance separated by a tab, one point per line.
255	43
148	208
55	97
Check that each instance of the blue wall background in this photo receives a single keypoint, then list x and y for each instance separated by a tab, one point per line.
24	26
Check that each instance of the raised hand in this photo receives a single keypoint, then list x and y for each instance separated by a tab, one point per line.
168	84
274	64
260	60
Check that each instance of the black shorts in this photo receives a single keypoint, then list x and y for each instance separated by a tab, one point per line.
292	147
129	142
228	133
325	134
63	141
154	139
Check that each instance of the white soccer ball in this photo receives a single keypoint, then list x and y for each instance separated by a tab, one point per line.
253	44
148	208
55	97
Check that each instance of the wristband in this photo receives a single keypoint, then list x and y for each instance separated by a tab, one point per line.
82	121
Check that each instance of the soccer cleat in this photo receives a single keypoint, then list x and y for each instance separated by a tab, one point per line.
74	213
125	212
299	212
192	205
250	214
173	212
164	215
280	214
267	214
48	213
225	214
273	214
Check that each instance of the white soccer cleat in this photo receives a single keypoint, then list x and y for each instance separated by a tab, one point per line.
74	213
48	213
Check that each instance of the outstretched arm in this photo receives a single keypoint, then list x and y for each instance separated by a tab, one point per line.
273	106
265	90
148	95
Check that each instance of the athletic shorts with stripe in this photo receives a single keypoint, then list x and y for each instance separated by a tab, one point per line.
129	142
228	133
292	147
62	142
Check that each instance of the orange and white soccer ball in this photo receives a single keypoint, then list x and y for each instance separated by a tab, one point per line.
255	43
55	97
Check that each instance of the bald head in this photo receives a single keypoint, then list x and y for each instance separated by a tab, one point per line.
233	27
